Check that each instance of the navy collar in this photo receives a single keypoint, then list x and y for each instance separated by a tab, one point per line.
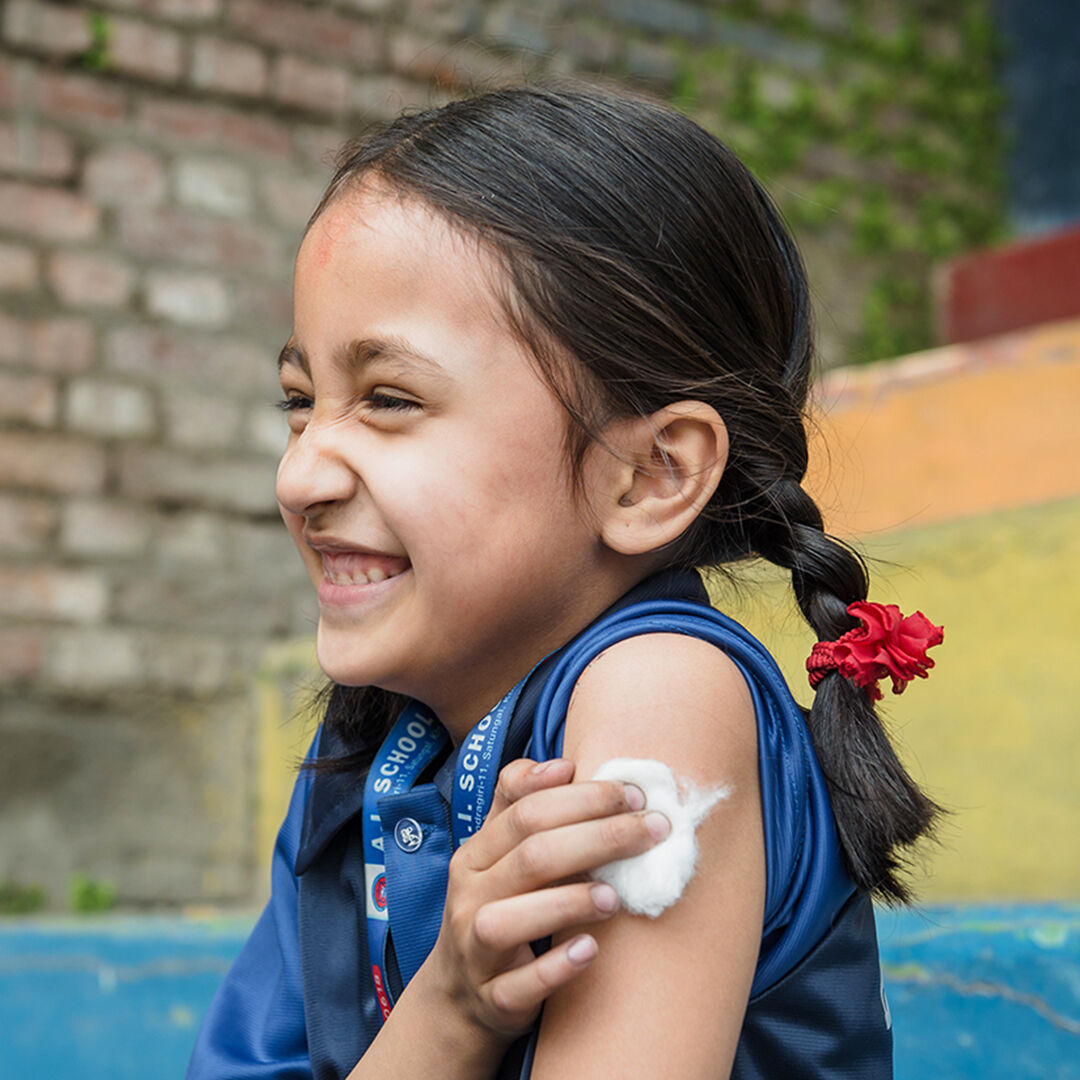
336	798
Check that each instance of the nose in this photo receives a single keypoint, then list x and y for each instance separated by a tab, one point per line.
313	472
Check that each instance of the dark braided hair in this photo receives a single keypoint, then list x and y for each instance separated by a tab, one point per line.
647	266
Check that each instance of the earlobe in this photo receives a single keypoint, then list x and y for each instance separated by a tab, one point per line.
671	464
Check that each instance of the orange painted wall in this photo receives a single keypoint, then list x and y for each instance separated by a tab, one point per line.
962	430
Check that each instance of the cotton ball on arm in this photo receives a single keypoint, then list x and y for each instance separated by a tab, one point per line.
650	882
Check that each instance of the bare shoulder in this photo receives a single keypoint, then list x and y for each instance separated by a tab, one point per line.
667	696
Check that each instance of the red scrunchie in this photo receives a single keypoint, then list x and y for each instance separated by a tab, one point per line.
887	643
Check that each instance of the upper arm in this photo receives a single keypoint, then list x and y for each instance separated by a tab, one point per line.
666	996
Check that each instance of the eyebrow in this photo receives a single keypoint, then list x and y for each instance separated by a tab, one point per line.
358	354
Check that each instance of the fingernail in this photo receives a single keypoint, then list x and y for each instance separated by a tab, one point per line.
657	824
544	766
635	797
581	950
604	897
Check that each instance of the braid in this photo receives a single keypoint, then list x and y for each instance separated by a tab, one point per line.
879	809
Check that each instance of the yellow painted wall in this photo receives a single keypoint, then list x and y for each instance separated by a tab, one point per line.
994	733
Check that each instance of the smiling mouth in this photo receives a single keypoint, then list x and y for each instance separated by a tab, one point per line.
361	567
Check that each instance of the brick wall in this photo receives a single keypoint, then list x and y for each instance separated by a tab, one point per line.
158	159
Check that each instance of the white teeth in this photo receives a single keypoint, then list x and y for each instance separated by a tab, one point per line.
338	578
356	577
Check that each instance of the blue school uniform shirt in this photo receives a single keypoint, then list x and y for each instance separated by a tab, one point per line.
298	1003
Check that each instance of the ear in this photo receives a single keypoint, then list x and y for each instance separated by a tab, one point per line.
666	468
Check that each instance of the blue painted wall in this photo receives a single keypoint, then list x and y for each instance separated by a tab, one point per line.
975	991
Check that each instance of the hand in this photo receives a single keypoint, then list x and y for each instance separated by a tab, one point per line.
519	879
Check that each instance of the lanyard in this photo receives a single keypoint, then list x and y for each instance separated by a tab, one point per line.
413	743
411	746
477	770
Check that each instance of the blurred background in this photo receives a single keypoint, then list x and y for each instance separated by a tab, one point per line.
158	160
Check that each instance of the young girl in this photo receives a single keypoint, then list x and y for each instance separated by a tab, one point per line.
550	358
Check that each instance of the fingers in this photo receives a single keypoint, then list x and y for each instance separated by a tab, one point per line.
556	854
551	808
523	989
503	925
523	776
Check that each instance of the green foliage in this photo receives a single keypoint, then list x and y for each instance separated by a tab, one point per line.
89	895
896	317
96	58
905	135
18	899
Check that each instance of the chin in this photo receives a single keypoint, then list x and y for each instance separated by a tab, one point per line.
342	662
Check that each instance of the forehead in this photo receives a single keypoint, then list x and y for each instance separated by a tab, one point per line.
376	266
380	231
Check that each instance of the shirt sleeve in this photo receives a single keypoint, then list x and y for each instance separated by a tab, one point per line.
254	1028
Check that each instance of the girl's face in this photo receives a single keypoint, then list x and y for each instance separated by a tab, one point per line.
425	482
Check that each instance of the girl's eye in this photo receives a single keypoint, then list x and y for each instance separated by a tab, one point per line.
389	402
292	402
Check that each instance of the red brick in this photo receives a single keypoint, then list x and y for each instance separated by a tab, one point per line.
7	83
369	7
187	11
228	67
53	463
213	125
29	150
265	429
453	67
13	340
18	268
102	658
78	98
28	399
187	663
383	97
89	279
171	358
199	421
47	213
264	305
21	653
181	11
191	237
97	406
188	299
151	52
61	344
45	592
240	130
220	187
318	146
48	28
122	175
104	527
55	344
26	521
231	483
309	85
291	199
326	34
189	538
